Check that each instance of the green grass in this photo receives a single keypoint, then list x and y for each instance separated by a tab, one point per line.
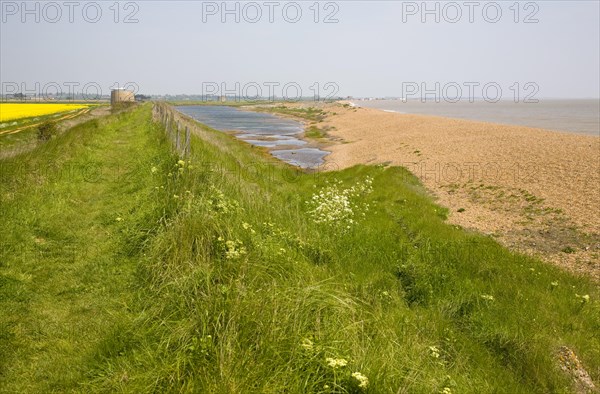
66	275
314	132
117	276
19	139
311	113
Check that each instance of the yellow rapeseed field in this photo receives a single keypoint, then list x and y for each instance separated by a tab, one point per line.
14	111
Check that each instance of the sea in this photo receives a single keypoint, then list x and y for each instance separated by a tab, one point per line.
575	116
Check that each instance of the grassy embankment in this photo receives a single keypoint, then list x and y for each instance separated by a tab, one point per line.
124	270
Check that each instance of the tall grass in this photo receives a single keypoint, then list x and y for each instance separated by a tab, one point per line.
239	289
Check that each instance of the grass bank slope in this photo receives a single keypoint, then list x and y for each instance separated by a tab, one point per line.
230	272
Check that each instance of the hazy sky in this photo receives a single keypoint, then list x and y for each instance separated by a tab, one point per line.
370	48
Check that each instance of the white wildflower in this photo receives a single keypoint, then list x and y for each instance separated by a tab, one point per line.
487	297
336	362
363	381
584	298
336	206
220	203
233	250
248	227
307	344
434	351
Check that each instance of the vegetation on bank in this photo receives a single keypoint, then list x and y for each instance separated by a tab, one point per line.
46	130
312	114
125	268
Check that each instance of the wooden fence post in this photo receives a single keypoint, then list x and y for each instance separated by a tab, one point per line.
177	139
187	141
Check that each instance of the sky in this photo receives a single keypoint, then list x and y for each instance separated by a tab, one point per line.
456	50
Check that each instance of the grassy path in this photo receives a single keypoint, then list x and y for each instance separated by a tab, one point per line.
65	278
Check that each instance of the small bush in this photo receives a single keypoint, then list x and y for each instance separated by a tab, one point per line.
46	130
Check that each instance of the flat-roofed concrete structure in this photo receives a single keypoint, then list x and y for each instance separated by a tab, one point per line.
121	95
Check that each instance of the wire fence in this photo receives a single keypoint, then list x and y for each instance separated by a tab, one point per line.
178	135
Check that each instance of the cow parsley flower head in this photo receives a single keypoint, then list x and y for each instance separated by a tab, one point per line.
487	297
336	206
307	344
232	249
362	380
336	362
434	351
584	298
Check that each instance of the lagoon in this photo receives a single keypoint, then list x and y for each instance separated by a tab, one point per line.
279	135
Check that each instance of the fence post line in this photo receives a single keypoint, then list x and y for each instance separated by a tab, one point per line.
187	141
174	129
169	121
177	139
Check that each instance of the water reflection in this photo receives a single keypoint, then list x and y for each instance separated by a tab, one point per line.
280	135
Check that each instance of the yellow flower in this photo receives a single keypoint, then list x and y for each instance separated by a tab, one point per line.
13	111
